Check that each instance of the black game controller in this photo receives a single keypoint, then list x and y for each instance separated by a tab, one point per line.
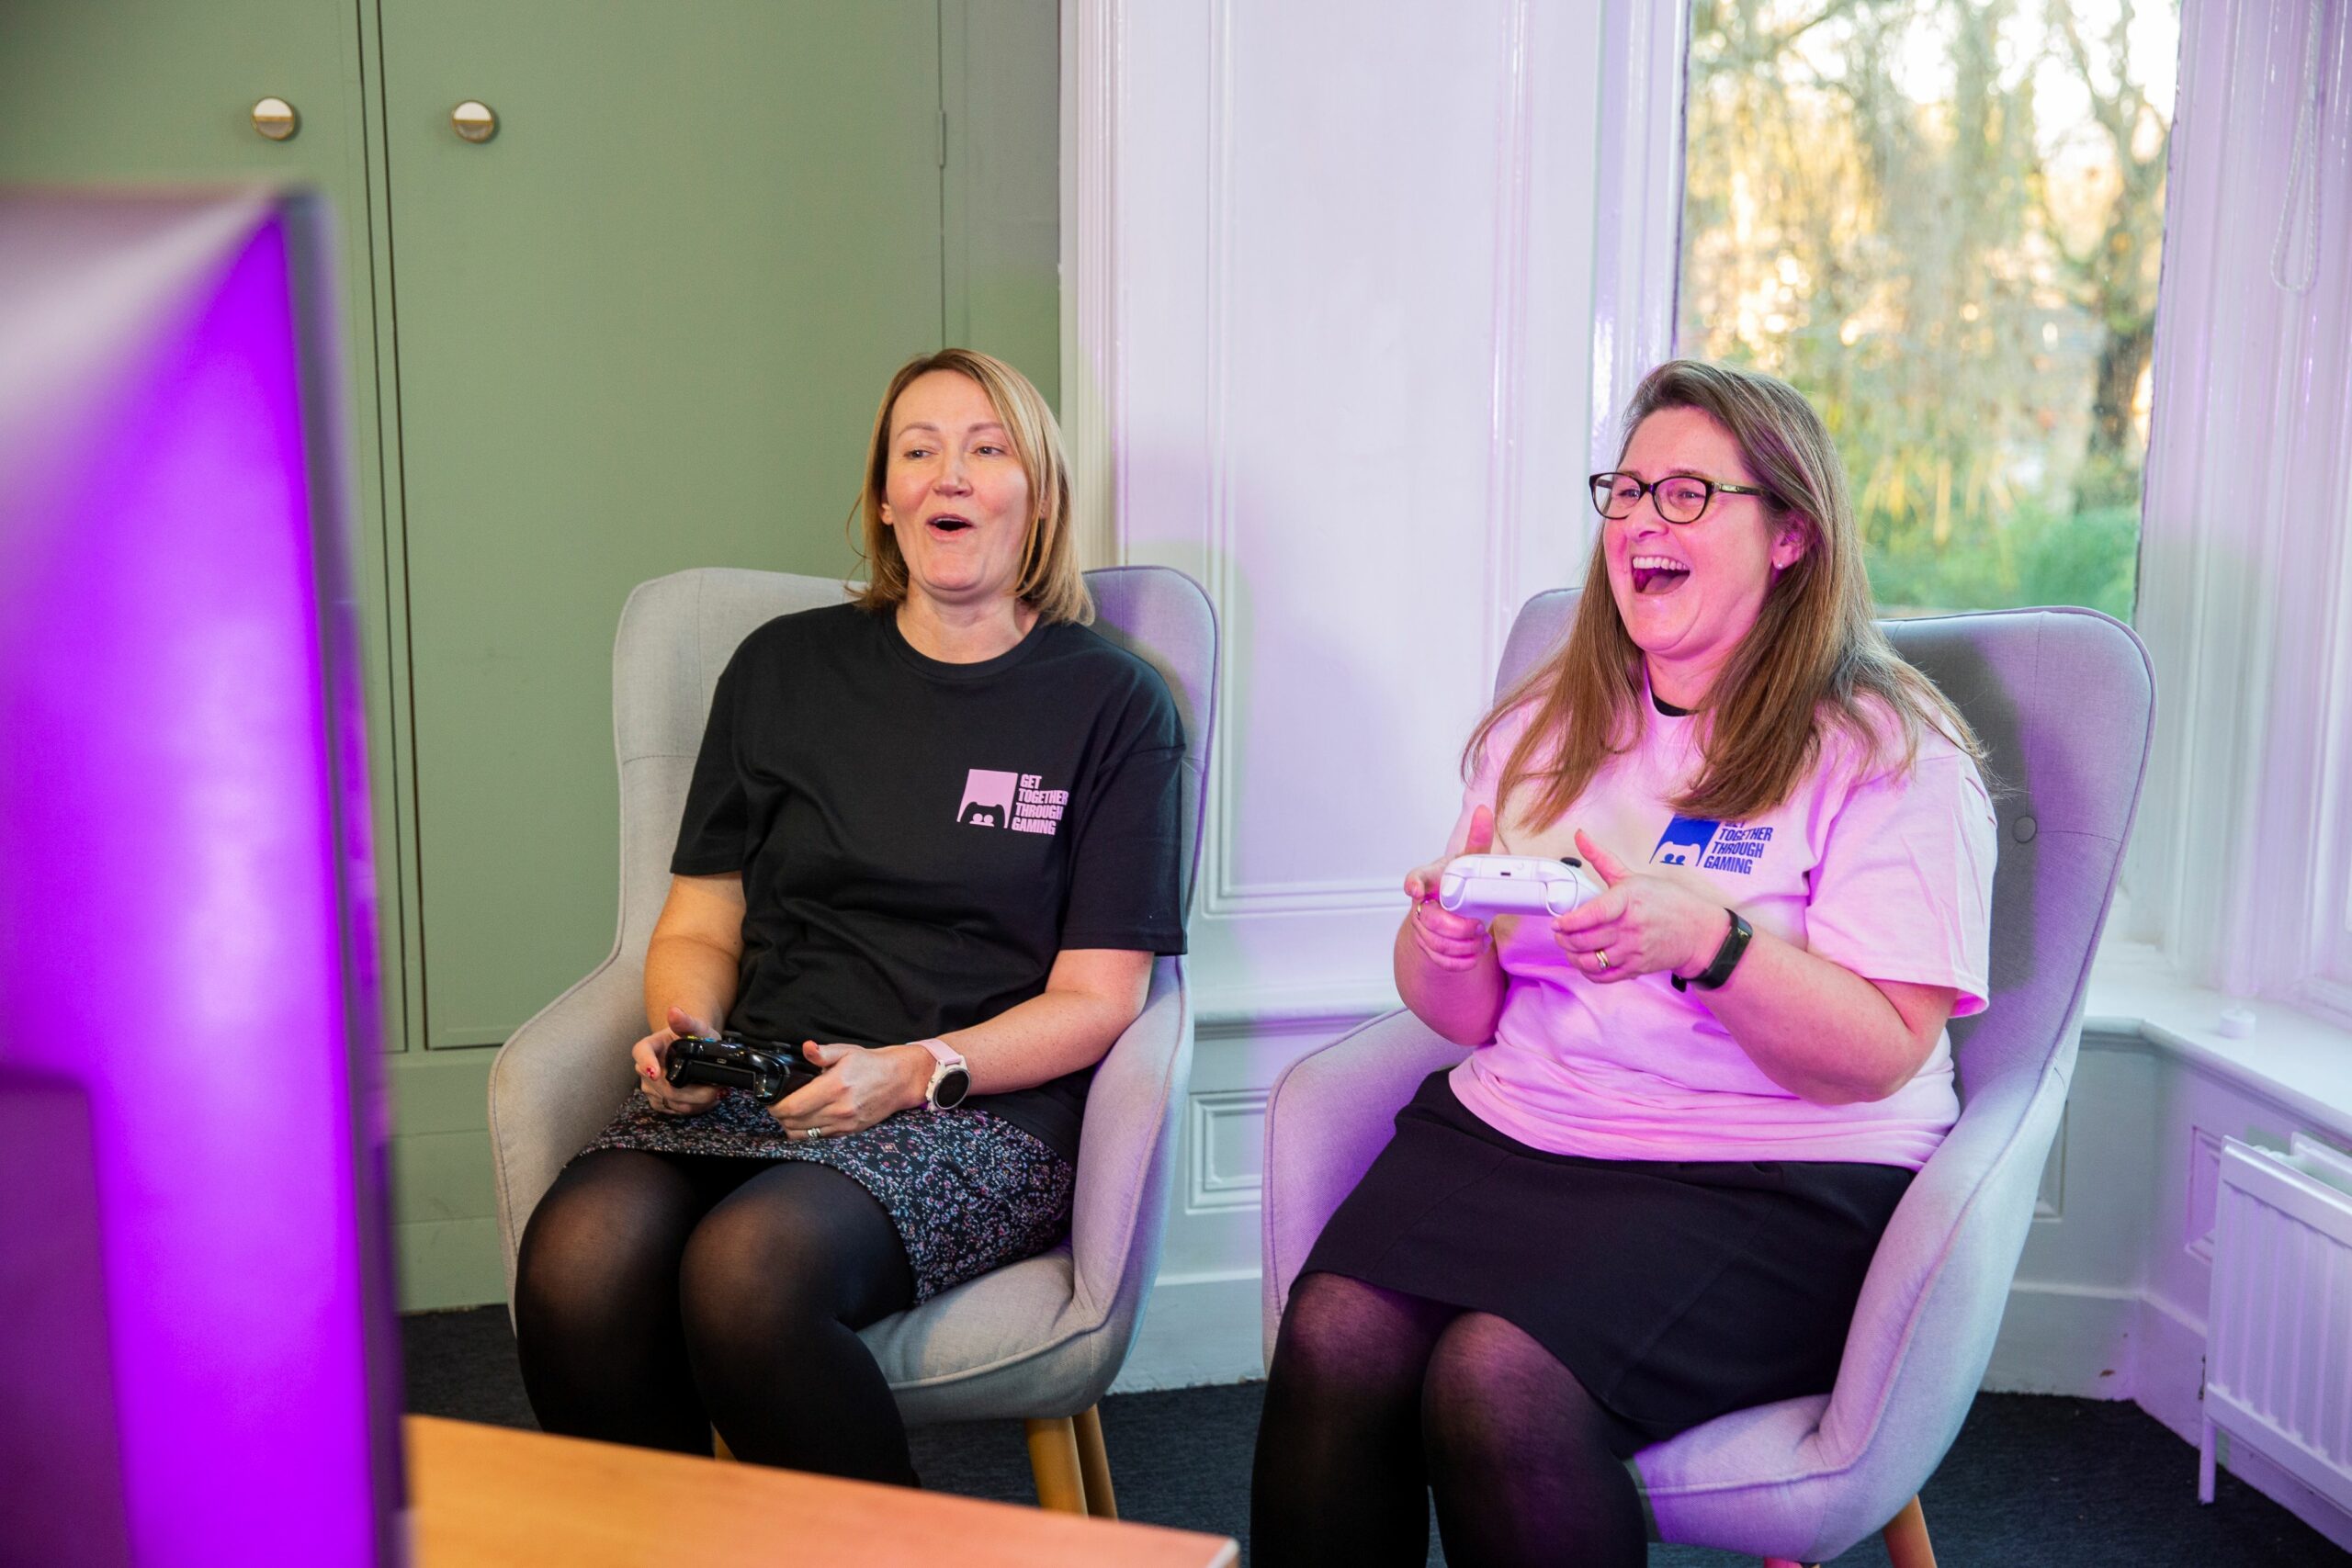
768	1070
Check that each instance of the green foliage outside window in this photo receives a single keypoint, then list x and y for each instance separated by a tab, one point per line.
1941	219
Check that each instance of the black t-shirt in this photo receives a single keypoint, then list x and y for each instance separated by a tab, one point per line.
918	840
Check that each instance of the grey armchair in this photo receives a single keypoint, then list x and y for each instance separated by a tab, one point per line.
1040	1339
2064	700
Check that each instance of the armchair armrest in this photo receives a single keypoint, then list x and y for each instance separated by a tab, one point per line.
1130	1109
555	1083
1334	1109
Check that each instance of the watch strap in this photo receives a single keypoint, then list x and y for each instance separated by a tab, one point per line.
1726	957
941	1052
947	1062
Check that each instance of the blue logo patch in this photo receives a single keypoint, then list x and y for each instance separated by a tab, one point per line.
1684	840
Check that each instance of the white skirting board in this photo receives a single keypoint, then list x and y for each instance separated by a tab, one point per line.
2065	1339
1198	1329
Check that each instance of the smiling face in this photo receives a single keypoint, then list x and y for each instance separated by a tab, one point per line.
1689	592
955	498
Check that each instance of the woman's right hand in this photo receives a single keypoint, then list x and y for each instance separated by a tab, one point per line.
651	1056
1447	940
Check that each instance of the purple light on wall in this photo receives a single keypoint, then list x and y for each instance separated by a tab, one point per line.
185	920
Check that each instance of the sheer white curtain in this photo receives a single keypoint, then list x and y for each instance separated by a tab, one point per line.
2239	866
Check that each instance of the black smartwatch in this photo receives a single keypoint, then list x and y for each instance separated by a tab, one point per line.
1726	957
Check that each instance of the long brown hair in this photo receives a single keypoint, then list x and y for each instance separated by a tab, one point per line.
1815	657
1050	581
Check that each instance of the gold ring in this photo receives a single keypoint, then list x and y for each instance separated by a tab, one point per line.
1601	954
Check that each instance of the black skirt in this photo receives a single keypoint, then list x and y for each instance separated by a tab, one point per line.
1675	1290
966	1190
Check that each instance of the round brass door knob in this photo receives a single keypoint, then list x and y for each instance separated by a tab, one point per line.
474	121
276	118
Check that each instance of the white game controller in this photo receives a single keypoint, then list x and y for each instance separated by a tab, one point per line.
1483	887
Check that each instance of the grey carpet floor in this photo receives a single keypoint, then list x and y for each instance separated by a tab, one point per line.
2030	1481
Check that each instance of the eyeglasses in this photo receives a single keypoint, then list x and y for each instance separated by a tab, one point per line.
1680	498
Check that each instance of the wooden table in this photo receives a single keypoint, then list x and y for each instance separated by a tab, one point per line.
493	1495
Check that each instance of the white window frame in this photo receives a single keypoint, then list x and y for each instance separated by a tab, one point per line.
2238	870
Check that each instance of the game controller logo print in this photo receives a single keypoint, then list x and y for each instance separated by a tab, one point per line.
1711	846
988	798
1684	840
1018	801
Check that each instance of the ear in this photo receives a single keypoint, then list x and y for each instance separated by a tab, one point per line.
889	515
1789	546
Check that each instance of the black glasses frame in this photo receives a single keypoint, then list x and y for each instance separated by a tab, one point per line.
1604	490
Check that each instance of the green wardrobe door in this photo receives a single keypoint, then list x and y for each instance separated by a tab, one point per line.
161	92
127	91
164	92
643	327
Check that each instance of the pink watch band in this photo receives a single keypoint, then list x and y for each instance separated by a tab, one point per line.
942	1053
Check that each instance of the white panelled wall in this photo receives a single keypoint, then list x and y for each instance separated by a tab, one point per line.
1330	272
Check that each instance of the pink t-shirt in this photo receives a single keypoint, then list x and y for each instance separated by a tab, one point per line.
1891	877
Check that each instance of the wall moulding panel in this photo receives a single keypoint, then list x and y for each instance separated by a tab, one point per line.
1089	129
1639	242
1225	1170
1342	371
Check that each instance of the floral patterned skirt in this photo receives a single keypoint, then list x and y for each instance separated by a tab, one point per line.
967	1190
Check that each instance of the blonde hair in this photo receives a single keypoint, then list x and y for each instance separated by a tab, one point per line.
1815	658
1050	583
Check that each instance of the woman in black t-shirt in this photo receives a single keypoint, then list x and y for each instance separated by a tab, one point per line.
932	836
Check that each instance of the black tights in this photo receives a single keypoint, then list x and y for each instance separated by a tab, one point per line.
658	1296
1378	1402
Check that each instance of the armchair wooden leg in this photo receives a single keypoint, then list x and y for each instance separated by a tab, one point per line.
1906	1538
1094	1464
1053	1457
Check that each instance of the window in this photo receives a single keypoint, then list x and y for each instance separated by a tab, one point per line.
1941	221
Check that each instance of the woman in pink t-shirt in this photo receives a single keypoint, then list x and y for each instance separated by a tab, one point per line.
1650	1192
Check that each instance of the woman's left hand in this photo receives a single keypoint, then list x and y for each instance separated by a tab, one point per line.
1639	924
860	1087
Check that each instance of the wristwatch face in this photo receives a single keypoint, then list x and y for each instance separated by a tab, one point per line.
949	1088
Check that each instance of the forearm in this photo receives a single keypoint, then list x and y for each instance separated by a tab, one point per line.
1816	1028
1053	1034
1460	1004
694	975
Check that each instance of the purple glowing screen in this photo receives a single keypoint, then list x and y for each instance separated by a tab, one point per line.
185	909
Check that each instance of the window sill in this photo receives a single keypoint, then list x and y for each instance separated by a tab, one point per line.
2293	1056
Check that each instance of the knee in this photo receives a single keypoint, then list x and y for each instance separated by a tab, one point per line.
742	1274
1307	1344
1472	1378
590	1246
1331	1337
1492	1389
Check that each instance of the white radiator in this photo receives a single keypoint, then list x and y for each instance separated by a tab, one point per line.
2278	1329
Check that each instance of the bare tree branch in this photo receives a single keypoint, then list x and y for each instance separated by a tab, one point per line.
2107	110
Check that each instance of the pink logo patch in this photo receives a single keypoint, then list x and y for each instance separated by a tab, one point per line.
988	798
1018	801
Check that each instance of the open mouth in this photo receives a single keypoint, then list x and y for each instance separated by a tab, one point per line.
1656	576
950	524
